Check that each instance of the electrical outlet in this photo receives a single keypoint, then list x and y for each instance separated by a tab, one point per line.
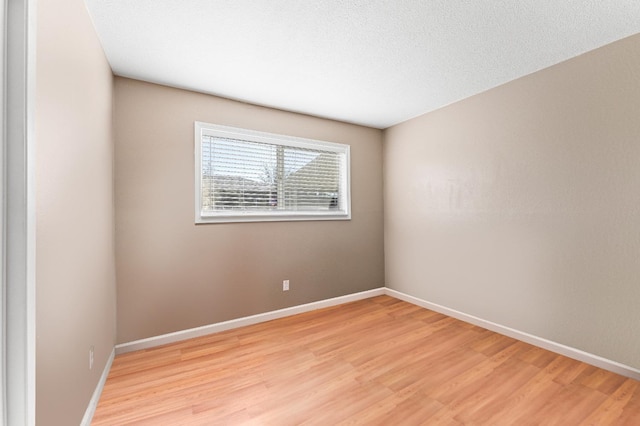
91	358
285	285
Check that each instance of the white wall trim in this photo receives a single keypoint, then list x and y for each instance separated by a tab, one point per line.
559	348
93	403
18	280
241	322
177	336
3	337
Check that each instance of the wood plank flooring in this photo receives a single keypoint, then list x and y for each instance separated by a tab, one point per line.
376	361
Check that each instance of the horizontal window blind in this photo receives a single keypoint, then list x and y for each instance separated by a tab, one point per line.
251	174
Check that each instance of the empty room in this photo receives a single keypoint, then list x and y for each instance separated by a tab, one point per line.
321	212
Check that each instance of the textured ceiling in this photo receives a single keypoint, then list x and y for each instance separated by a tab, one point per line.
375	62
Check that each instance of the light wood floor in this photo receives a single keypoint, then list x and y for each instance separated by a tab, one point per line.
375	361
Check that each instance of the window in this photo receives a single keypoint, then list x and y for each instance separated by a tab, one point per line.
249	176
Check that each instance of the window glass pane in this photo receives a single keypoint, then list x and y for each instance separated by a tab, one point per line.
237	175
312	181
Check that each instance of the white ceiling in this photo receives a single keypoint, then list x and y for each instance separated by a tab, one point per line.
370	62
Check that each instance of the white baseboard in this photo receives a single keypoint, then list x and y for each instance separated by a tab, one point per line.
241	322
93	403
558	348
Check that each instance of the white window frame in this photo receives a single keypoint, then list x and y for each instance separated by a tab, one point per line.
207	129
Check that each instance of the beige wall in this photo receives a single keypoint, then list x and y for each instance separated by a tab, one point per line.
521	205
75	272
174	275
